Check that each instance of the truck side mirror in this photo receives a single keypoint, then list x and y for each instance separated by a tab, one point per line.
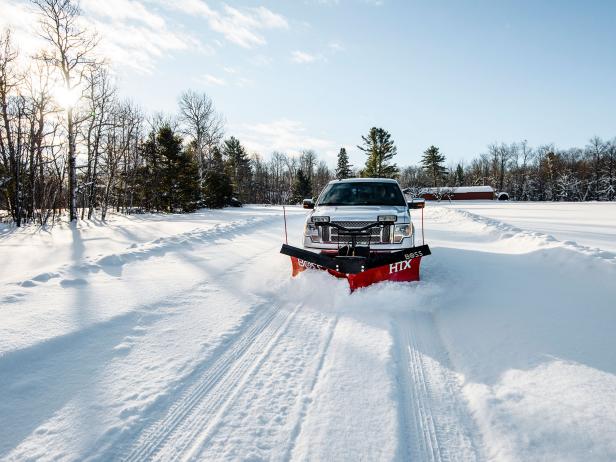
417	204
308	204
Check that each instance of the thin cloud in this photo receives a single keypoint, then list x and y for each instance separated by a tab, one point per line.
22	21
336	47
271	20
123	10
242	27
337	2
210	79
261	60
237	80
284	135
140	47
244	82
302	57
130	34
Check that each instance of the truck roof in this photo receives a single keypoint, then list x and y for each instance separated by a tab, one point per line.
365	180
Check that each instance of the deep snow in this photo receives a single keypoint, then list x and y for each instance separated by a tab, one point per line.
183	337
591	224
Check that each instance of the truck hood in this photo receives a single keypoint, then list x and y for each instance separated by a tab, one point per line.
361	212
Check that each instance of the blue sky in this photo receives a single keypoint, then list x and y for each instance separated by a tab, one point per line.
318	74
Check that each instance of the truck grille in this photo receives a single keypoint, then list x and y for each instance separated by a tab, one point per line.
377	235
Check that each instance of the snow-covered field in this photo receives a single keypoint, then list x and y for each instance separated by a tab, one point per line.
592	224
184	337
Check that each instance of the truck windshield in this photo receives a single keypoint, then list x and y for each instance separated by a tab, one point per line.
362	193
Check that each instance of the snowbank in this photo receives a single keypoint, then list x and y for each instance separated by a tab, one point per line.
531	330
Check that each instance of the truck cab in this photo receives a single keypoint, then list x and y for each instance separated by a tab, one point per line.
355	203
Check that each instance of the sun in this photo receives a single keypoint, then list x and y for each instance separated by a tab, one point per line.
66	98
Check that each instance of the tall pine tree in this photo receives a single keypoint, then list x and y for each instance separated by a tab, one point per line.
380	149
188	185
343	170
237	167
217	190
169	148
149	186
459	176
433	163
302	189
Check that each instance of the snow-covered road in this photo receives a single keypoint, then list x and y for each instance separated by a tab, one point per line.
184	338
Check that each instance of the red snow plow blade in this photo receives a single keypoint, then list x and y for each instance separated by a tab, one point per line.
359	264
400	266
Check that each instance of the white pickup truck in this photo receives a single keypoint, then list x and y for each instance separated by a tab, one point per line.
360	229
355	203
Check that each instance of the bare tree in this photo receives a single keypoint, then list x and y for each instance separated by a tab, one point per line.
13	111
595	151
322	176
525	183
608	177
38	85
277	176
203	124
121	140
307	162
101	100
500	154
70	52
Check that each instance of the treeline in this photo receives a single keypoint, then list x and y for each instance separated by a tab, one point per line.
68	143
544	173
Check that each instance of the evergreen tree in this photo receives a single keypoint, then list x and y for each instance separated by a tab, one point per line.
169	176
188	184
380	149
237	167
459	175
169	149
302	189
149	187
218	188
343	170
432	162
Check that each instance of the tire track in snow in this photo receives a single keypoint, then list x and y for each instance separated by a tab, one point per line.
422	442
203	428
436	424
259	422
200	406
297	428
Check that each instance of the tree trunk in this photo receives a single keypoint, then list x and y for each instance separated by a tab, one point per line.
17	196
72	168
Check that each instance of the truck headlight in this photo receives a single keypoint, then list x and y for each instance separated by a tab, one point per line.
311	231
402	231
